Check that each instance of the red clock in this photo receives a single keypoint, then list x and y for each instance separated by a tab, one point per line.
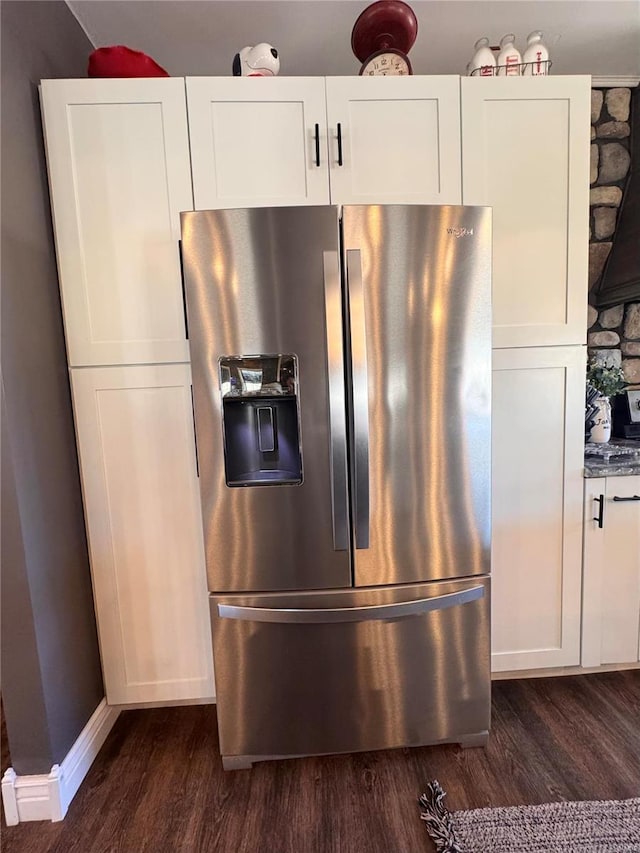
382	37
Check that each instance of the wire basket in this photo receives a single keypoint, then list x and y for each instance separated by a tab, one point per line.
521	69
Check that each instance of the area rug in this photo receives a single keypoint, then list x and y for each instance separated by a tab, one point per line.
611	826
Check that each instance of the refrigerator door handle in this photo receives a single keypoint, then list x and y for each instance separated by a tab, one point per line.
184	295
337	416
396	610
360	383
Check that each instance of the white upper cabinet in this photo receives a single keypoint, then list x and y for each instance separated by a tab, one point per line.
394	140
135	437
525	152
119	173
537	483
258	142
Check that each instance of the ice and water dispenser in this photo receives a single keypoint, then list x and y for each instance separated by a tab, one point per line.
260	420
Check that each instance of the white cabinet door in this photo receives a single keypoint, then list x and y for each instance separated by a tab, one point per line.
137	455
538	443
258	142
394	140
525	152
119	173
611	596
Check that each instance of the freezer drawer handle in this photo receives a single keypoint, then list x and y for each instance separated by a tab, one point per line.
397	610
337	417
360	396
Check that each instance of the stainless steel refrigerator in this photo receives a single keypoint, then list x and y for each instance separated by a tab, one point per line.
341	363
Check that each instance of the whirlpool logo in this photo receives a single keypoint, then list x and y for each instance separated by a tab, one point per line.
460	232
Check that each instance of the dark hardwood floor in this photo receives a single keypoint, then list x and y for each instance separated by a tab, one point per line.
158	783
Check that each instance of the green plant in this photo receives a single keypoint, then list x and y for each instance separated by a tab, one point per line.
609	381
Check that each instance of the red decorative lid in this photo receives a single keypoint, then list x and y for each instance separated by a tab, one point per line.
385	24
121	61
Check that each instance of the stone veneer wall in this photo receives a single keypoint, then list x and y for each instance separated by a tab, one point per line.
614	333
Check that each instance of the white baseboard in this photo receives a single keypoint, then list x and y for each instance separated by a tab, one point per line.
48	795
554	671
168	703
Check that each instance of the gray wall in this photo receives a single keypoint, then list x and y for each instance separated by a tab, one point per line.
51	679
314	38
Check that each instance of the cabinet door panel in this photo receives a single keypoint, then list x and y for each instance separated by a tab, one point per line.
525	152
400	140
253	141
119	172
537	442
611	623
136	443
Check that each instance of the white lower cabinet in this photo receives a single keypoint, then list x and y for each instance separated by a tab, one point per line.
611	591
538	446
136	444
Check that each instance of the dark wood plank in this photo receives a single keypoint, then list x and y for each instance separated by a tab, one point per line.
158	783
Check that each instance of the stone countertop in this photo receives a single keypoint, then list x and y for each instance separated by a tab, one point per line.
617	458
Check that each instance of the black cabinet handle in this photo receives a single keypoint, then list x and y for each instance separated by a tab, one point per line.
317	145
632	498
339	144
600	516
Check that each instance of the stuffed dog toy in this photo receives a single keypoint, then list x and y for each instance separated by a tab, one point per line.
259	61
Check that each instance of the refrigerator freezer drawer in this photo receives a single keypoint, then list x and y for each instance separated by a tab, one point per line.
350	670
